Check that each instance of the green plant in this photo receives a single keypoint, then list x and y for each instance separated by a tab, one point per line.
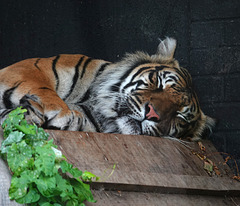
38	168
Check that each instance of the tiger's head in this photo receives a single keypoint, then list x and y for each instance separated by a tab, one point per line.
151	95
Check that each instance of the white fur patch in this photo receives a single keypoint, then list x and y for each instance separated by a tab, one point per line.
127	128
167	47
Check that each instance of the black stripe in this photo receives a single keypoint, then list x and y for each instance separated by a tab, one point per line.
156	131
45	88
196	100
75	77
87	93
150	77
90	117
179	71
35	64
137	98
85	96
102	68
5	113
48	121
169	80
55	71
29	107
68	123
183	75
116	87
50	127
85	66
174	78
188	76
7	96
132	84
165	73
134	103
133	67
139	72
138	83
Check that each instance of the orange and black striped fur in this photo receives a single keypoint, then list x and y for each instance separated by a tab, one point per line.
141	94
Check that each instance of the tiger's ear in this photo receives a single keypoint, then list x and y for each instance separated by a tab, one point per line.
166	48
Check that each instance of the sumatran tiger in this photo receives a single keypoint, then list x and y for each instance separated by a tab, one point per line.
142	94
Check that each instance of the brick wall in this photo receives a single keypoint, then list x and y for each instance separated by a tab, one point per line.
207	32
215	66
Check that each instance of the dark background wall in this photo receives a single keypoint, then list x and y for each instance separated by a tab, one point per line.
207	31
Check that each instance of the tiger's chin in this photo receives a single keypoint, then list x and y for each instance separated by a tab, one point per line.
128	125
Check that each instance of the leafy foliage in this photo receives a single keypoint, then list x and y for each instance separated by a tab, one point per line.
38	168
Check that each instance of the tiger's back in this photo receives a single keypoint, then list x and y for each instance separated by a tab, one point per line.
60	73
48	83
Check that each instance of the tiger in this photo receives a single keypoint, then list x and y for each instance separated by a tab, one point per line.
141	94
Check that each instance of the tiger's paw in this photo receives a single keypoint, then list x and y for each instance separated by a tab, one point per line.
69	120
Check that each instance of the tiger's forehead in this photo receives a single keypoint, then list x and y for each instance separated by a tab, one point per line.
157	68
154	67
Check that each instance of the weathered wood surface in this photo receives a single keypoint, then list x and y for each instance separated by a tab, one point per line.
149	170
120	198
144	164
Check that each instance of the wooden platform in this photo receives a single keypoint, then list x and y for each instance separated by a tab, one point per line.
149	170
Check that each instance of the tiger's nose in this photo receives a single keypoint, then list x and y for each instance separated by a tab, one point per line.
151	113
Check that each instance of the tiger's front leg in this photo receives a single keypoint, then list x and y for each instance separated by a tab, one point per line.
47	109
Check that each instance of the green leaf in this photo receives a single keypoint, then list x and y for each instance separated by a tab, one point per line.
13	137
4	150
66	167
63	185
46	204
19	186
41	134
46	185
45	160
19	157
32	196
39	137
26	128
14	118
83	190
88	176
56	204
72	202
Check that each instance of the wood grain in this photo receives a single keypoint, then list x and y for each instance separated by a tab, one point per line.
149	170
119	198
144	164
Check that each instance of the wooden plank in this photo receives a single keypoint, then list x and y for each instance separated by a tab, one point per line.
149	170
143	163
118	198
